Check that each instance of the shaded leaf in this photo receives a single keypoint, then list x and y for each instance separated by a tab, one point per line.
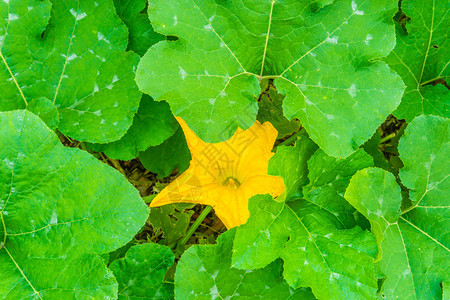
173	220
271	110
371	148
290	164
141	33
152	125
118	253
141	272
172	153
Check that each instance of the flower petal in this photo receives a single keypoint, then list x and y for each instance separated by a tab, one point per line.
195	144
244	159
254	159
231	207
263	184
186	188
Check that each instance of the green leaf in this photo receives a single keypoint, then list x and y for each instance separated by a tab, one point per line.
57	213
152	125
415	242
414	246
118	253
163	159
323	3
173	220
424	150
205	272
323	59
375	193
295	172
141	273
271	110
445	290
141	33
72	53
316	250
422	56
328	179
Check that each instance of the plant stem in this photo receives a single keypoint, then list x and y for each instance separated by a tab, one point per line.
388	137
194	226
291	138
117	165
429	81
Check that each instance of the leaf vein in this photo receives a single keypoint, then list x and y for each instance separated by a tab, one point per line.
321	43
225	44
21	272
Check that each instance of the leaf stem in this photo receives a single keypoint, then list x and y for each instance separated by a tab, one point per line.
388	137
408	209
267	77
14	79
2	243
194	226
430	81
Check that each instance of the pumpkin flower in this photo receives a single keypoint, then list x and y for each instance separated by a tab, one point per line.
226	175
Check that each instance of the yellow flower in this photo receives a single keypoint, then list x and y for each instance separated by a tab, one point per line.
226	175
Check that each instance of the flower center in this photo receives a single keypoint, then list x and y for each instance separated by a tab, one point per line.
231	182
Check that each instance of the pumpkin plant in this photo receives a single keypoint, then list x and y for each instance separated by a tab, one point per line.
209	149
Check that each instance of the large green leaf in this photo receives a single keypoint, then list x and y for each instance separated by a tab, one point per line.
58	210
415	247
422	56
141	272
415	243
317	251
152	125
424	150
141	33
205	272
328	179
71	53
323	59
